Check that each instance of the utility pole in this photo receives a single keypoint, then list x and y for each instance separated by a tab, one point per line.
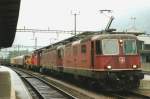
52	40
18	50
35	43
133	18
75	15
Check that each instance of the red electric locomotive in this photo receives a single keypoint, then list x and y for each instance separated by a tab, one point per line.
35	59
110	60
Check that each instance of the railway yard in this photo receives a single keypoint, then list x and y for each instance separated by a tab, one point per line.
97	72
94	60
34	85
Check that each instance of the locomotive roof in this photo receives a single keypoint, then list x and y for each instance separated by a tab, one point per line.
114	36
71	39
89	35
76	42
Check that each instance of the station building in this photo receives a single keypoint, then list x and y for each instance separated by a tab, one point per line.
144	48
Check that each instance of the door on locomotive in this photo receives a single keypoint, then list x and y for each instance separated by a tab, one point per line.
60	55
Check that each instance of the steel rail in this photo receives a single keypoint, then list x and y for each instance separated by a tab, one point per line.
118	95
129	95
30	78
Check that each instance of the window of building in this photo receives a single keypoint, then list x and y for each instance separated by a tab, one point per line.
148	59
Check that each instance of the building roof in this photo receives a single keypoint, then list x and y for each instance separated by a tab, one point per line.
9	12
145	38
135	31
145	52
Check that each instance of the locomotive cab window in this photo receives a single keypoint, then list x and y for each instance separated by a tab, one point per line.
130	47
98	47
110	46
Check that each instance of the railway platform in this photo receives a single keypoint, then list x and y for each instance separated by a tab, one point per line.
145	83
146	67
11	86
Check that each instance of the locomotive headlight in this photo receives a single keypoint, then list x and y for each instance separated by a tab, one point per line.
120	40
109	67
134	66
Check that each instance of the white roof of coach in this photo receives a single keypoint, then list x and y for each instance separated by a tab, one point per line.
18	57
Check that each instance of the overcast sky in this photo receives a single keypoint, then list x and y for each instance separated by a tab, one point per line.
56	14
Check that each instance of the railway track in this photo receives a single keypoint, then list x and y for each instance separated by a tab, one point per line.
42	88
121	95
80	93
129	95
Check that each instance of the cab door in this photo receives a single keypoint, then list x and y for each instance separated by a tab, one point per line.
60	57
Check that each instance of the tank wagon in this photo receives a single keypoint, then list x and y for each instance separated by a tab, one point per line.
110	60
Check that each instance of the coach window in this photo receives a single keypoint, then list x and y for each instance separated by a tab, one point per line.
98	47
83	48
